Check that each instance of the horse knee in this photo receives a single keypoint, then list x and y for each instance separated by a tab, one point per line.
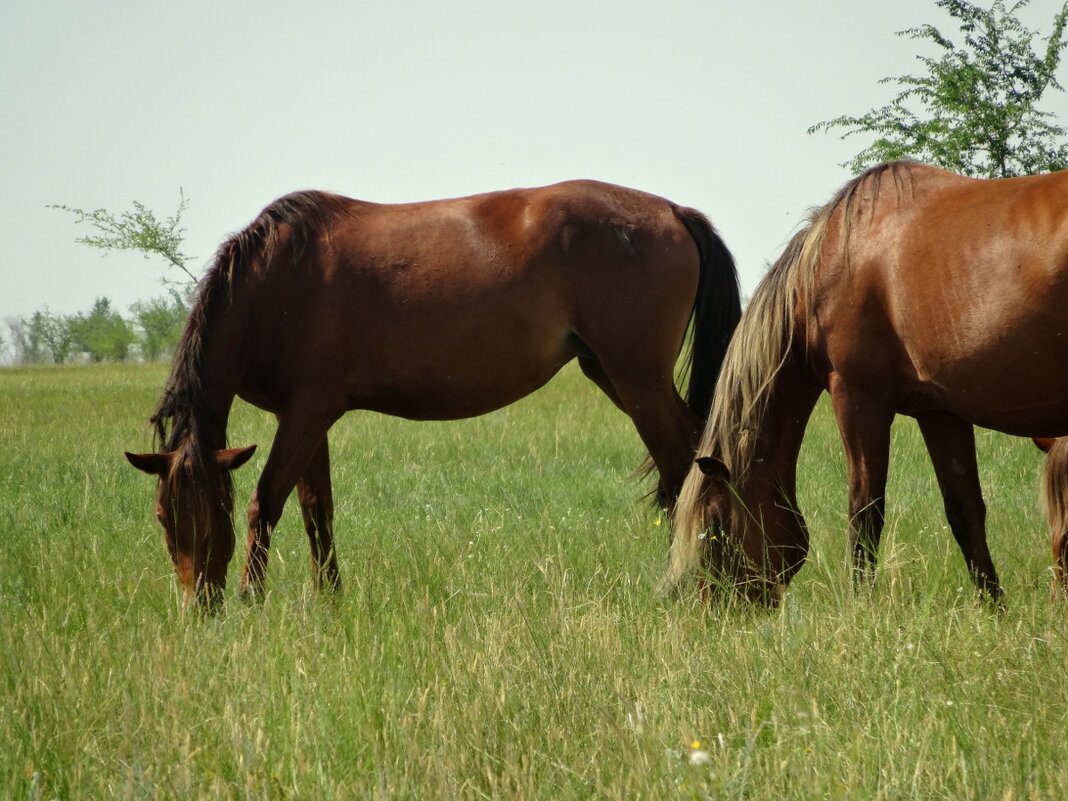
263	515
962	516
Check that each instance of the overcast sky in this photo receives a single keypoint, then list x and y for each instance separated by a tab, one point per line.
705	102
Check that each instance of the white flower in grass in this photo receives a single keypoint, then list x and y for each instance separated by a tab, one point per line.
698	754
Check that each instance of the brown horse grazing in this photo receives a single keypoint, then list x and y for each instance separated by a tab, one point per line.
430	311
916	292
1055	497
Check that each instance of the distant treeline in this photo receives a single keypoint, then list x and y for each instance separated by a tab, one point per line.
100	335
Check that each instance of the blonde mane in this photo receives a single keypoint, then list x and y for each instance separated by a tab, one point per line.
1055	489
763	341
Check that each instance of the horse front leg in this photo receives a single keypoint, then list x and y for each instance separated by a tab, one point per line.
951	444
297	440
865	430
316	498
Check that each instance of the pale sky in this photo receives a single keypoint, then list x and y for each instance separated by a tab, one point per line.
236	103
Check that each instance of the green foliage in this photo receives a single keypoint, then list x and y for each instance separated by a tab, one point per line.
975	109
499	635
50	335
44	337
161	321
138	229
25	342
103	333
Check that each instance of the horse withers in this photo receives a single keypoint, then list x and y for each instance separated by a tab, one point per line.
916	292
430	311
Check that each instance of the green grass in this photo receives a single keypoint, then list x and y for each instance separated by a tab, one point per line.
499	635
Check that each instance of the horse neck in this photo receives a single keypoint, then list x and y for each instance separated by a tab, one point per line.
218	378
774	528
206	372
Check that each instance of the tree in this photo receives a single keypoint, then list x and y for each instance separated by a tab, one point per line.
21	351
975	111
140	230
51	332
161	321
103	333
26	342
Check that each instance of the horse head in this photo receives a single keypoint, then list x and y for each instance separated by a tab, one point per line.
737	561
194	504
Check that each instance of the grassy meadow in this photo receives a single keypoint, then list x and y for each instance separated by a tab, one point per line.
499	635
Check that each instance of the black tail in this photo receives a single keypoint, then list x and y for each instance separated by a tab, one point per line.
716	311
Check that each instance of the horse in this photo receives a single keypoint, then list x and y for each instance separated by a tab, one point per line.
1055	498
914	291
437	310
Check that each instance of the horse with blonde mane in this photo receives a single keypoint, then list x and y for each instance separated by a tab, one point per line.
914	291
430	311
1055	498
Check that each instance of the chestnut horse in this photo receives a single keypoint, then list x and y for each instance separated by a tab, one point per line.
430	311
1055	497
915	292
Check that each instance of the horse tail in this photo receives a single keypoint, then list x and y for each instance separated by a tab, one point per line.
717	309
183	407
1055	497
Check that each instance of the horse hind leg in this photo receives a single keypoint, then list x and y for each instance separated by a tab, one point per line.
593	370
315	493
669	430
665	424
951	444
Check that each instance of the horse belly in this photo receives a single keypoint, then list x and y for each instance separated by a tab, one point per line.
452	374
989	340
454	396
1018	386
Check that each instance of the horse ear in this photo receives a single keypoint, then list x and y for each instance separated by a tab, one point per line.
1044	443
713	467
155	464
233	458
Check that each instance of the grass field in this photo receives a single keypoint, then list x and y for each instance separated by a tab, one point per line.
499	635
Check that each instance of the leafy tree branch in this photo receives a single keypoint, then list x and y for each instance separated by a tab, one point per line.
975	108
137	229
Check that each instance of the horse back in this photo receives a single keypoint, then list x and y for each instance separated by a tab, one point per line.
519	227
491	292
948	292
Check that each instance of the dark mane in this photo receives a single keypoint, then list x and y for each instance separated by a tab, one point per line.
183	406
